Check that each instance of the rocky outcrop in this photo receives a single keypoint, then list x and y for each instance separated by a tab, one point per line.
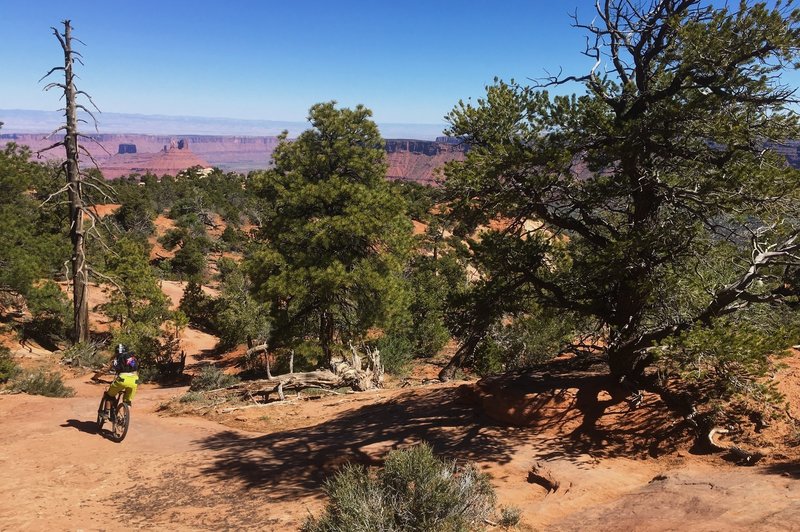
408	159
421	160
173	158
789	149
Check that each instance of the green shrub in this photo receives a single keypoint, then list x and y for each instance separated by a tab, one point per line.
189	260
150	373
414	491
200	308
729	363
8	368
395	352
51	315
85	355
211	378
42	383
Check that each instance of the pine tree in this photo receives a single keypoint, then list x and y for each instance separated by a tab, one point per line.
334	235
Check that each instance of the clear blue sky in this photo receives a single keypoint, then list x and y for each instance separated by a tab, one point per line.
409	61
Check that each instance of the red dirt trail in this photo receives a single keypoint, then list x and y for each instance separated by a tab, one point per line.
187	473
265	468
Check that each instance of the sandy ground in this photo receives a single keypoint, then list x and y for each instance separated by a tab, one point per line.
182	473
264	468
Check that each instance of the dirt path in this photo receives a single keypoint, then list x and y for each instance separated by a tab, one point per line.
57	473
185	473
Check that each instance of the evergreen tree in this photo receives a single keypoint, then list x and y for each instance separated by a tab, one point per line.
647	207
334	235
34	244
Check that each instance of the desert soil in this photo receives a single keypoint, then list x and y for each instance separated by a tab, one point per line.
264	467
181	473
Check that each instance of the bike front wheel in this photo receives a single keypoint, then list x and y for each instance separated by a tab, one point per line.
121	418
100	409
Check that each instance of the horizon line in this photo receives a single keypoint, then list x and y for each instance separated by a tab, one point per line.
214	118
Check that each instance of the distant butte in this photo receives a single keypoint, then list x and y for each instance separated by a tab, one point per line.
171	160
123	154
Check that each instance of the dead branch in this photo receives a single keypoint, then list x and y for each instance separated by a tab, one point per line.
740	456
279	384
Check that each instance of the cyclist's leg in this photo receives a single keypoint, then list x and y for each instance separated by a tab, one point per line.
116	387
131	381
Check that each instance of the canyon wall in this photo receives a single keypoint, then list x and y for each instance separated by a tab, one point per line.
122	154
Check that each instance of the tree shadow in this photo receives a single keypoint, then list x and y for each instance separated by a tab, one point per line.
784	469
217	356
298	461
569	413
581	410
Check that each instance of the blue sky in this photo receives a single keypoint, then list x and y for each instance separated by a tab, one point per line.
408	61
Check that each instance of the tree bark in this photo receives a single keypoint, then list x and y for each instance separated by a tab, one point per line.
80	273
464	352
326	336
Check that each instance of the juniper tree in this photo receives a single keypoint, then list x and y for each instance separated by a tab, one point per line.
647	207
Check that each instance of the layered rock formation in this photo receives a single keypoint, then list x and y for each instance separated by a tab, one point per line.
421	160
123	154
170	160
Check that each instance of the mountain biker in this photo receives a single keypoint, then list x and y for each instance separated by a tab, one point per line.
126	367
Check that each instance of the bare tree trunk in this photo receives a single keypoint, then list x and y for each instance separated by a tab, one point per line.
464	352
80	273
326	336
74	179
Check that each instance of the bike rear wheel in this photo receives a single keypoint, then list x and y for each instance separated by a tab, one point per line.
121	418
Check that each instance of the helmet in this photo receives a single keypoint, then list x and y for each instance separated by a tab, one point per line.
120	350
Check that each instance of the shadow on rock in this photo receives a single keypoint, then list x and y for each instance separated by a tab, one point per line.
784	469
579	409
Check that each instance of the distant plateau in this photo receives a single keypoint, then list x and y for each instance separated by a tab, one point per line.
122	154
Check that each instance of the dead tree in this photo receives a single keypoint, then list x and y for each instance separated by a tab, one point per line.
359	373
75	179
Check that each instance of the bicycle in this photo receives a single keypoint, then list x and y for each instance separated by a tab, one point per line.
119	415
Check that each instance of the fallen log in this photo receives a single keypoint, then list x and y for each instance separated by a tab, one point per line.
351	373
738	455
280	383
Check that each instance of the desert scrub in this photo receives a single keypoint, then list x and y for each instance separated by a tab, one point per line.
211	378
192	397
414	491
86	355
42	383
8	368
509	517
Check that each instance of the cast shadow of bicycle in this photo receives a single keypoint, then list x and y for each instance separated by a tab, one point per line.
88	427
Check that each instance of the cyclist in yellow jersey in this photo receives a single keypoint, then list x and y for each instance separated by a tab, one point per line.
126	366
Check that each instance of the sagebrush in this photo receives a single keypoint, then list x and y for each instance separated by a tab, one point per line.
211	378
415	490
42	383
